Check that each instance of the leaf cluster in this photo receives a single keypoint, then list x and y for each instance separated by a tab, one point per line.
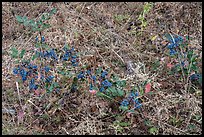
38	25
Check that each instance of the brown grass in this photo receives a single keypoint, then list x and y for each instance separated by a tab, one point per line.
103	40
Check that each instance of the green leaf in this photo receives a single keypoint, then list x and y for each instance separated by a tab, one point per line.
124	124
147	7
100	94
44	26
121	83
26	61
141	91
148	123
131	111
156	65
45	46
187	38
35	28
111	91
39	22
46	86
190	54
144	23
19	19
32	23
98	71
14	52
25	18
198	118
43	17
194	67
38	44
141	17
124	108
115	77
39	29
193	59
17	61
120	92
153	130
61	72
51	88
66	46
26	23
22	53
95	88
44	116
53	11
34	57
55	84
192	126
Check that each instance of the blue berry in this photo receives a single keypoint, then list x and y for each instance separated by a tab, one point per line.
88	72
104	73
91	87
94	78
47	69
101	89
43	39
35	67
36	39
81	75
125	102
106	83
15	71
137	106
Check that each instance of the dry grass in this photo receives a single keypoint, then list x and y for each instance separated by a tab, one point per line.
96	31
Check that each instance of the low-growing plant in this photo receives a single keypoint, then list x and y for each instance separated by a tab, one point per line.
120	18
176	121
152	129
40	74
184	60
37	25
147	7
41	77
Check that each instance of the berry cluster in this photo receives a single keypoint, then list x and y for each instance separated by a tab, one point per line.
28	70
103	83
132	98
174	43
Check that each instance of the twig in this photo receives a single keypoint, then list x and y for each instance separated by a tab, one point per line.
119	56
65	130
19	94
34	104
179	60
187	87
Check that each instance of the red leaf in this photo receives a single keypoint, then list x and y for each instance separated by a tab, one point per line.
37	92
147	88
92	91
169	65
20	115
129	115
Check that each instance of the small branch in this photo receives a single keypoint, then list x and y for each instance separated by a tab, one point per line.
119	56
34	105
19	94
179	59
65	130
